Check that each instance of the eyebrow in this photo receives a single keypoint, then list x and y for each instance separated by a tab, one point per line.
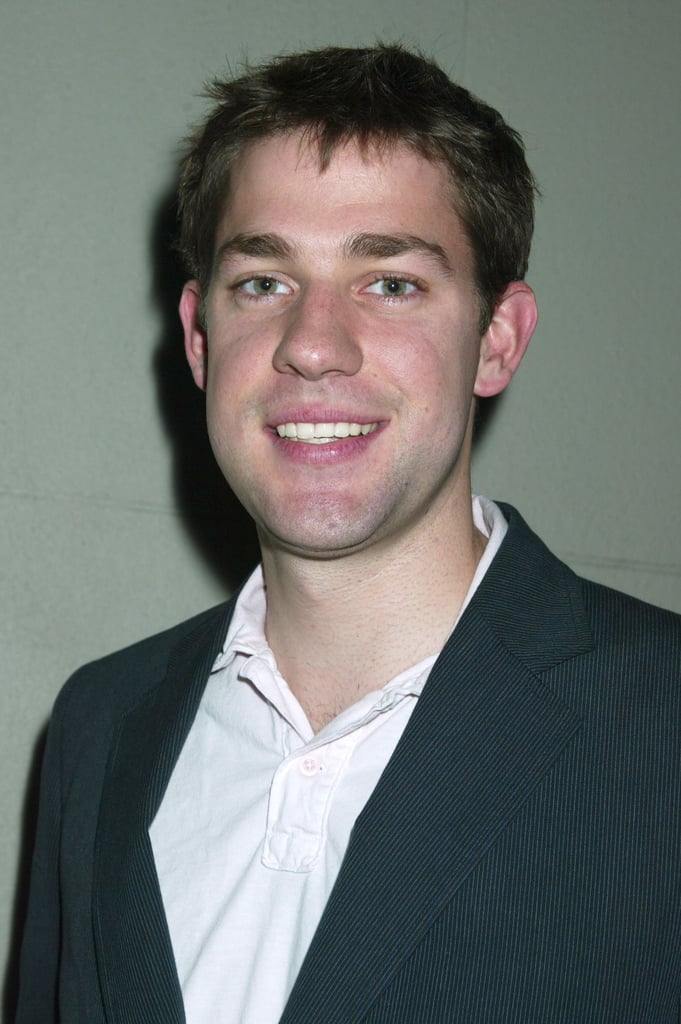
377	246
265	246
365	245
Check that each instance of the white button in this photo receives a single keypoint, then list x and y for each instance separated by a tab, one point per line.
310	766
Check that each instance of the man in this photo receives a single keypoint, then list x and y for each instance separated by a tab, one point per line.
416	770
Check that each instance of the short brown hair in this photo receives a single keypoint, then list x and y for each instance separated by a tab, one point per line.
381	95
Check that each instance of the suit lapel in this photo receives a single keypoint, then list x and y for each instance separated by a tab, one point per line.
134	953
483	735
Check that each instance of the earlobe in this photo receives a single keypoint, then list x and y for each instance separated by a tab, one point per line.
195	338
504	342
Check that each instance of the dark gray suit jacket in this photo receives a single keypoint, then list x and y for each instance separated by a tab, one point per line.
519	860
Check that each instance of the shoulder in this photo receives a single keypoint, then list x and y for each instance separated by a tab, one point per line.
625	615
109	687
525	556
539	603
632	635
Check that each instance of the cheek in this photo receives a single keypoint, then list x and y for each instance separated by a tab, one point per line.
233	367
431	373
440	397
226	392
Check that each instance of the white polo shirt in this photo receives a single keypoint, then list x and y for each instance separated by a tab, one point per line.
257	816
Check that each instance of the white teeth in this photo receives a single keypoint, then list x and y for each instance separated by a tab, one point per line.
322	433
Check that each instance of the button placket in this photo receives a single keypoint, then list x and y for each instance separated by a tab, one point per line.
300	799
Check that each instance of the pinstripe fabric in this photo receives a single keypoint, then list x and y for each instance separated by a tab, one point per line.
137	971
518	862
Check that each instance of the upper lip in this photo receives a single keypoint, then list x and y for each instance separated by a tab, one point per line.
306	415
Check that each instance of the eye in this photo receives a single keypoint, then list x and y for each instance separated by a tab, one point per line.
392	287
260	287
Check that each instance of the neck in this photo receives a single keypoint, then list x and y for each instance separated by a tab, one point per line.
344	626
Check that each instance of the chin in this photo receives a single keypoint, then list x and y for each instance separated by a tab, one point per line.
320	534
313	544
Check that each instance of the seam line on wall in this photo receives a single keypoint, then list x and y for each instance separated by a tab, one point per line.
573	558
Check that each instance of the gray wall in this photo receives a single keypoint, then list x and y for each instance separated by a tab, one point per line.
99	543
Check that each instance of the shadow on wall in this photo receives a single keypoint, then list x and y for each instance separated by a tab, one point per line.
222	531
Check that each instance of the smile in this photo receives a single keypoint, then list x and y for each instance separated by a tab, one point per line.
323	433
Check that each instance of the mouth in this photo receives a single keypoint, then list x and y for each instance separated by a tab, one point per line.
323	433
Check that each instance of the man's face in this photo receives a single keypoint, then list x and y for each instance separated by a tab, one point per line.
341	347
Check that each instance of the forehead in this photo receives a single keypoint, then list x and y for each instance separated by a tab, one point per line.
279	184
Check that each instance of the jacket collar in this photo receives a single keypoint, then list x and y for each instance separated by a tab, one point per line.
134	953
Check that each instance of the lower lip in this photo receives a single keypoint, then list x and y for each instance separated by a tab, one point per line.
330	452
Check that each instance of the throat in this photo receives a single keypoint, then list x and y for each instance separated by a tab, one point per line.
335	662
342	629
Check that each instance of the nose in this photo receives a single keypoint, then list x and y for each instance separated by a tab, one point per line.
318	338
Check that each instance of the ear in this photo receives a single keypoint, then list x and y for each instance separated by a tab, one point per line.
504	342
195	338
